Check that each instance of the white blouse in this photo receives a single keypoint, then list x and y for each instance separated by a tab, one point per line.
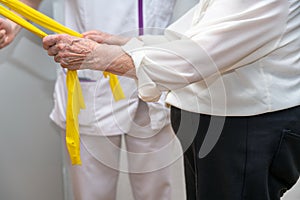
228	58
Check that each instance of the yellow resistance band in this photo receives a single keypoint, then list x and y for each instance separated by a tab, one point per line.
75	98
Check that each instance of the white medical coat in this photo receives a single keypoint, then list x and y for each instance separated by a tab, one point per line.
104	116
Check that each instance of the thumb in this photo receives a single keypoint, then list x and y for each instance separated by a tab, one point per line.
3	26
2	31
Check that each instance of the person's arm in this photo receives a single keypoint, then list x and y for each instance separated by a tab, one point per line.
9	29
105	38
223	36
80	53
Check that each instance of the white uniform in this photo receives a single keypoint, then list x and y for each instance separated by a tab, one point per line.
104	116
148	134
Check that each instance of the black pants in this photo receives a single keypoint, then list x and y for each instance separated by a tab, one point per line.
254	158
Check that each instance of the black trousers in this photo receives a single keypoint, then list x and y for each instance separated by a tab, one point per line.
253	158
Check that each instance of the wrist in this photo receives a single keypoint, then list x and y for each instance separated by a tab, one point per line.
121	63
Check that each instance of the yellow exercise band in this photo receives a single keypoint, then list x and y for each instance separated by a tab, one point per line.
19	20
75	98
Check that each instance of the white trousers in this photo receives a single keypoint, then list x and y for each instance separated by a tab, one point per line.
154	165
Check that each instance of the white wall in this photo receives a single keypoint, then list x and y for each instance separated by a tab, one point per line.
293	193
30	147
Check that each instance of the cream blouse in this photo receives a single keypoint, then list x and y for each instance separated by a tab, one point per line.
228	58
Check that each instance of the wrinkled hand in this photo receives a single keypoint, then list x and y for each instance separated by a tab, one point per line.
105	38
80	53
8	31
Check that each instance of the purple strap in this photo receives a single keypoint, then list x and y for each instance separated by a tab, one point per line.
141	17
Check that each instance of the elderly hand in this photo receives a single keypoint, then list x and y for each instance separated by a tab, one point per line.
71	52
80	53
105	38
8	31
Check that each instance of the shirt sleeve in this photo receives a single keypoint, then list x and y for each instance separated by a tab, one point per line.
223	36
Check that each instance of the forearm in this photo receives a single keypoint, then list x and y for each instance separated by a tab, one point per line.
111	58
123	66
81	53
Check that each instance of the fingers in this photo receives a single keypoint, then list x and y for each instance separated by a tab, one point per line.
56	48
70	65
73	67
8	31
59	43
97	36
2	33
3	39
69	58
67	50
92	32
52	40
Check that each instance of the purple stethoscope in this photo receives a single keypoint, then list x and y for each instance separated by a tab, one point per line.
141	32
